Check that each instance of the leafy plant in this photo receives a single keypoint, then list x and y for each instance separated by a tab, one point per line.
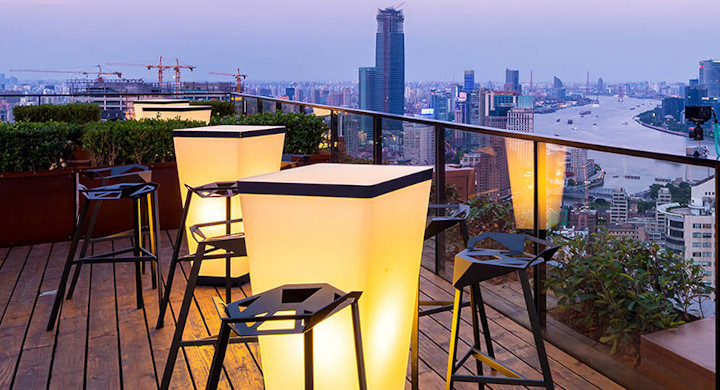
71	113
303	133
489	215
36	146
219	108
123	142
618	288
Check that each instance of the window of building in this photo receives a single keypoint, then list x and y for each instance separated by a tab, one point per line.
697	254
697	235
707	235
676	233
707	254
676	224
707	226
707	245
696	245
697	225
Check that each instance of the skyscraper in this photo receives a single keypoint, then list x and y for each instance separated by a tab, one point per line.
469	85
709	75
512	80
366	96
390	61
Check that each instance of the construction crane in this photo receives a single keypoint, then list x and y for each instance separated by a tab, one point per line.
238	78
161	68
99	72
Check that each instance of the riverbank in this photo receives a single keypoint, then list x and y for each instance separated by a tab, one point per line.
658	128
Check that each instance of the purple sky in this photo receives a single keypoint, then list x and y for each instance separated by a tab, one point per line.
328	40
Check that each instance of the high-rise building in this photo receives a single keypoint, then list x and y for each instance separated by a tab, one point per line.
521	119
619	206
290	93
419	144
674	107
469	85
366	96
601	85
512	80
390	61
709	75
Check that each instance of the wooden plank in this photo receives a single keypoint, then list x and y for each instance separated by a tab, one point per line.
16	318
160	339
135	355
103	366
3	253
68	365
34	369
10	274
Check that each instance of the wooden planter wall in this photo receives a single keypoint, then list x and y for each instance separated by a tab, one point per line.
38	207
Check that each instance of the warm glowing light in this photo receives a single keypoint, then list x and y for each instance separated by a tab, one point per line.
223	153
551	180
170	109
313	225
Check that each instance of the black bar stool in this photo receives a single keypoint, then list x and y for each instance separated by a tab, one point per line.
474	265
212	190
442	217
133	173
138	254
311	303
233	245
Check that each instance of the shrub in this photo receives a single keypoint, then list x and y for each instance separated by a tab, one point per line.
219	108
303	133
145	141
619	288
36	146
70	113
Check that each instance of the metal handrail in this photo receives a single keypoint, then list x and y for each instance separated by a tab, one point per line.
503	133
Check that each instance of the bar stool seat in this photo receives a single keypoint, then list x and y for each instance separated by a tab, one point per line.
137	253
310	303
474	265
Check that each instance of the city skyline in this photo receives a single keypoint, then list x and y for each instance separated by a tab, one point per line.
312	40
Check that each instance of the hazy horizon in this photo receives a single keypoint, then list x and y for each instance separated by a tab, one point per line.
641	40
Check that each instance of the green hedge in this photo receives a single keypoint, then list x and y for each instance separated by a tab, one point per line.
145	141
304	133
70	113
219	108
36	146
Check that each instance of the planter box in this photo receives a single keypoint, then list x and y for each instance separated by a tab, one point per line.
681	358
40	206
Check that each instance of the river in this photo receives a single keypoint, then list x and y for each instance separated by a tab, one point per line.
611	122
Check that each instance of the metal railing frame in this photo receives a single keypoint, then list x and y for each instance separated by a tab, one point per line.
439	129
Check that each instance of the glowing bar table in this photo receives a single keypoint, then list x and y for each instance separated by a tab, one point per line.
223	153
356	227
138	105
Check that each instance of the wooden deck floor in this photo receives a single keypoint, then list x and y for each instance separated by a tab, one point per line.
103	342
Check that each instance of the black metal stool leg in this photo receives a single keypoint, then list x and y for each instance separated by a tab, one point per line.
137	242
536	330
484	322
359	354
454	334
173	263
218	357
308	345
66	270
414	341
476	330
182	317
228	268
86	241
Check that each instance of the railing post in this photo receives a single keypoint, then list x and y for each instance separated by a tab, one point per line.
334	136
260	106
377	140
278	107
717	247
301	109
440	197
540	270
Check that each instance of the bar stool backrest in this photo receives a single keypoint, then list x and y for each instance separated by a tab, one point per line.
459	214
132	173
